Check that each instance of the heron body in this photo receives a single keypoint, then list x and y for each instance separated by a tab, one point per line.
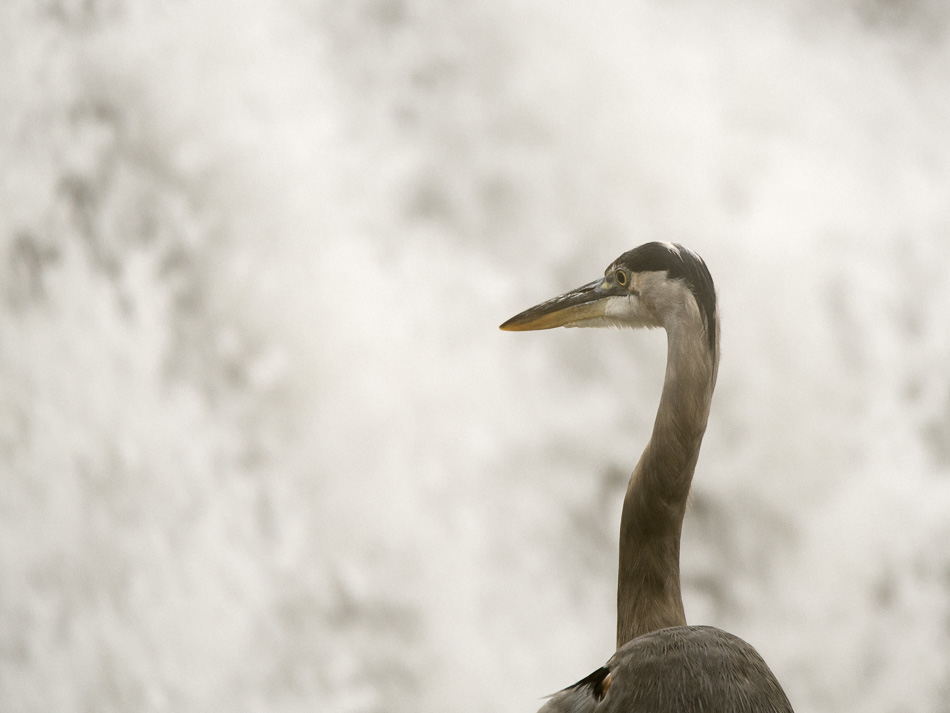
661	664
683	669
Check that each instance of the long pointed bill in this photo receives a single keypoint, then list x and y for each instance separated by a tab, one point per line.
568	310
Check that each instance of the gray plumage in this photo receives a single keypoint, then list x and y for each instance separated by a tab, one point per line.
661	665
683	669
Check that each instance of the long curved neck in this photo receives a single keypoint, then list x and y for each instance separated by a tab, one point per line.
648	592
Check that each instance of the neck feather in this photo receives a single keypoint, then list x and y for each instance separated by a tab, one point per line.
648	593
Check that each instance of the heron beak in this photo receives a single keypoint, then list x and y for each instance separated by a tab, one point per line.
572	309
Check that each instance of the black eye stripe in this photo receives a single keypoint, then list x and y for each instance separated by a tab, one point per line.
679	263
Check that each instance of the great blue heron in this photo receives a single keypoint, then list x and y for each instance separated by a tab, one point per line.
661	664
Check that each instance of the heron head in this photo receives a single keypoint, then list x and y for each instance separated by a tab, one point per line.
645	287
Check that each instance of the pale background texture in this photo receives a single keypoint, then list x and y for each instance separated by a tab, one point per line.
262	445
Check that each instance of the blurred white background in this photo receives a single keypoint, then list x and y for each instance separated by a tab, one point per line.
262	445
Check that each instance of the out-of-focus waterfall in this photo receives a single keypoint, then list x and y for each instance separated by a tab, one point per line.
262	446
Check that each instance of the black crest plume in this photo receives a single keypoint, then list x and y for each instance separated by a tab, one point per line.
679	263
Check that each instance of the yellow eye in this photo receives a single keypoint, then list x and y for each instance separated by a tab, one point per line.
621	277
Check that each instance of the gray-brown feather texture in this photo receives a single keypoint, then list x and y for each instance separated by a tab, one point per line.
683	669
